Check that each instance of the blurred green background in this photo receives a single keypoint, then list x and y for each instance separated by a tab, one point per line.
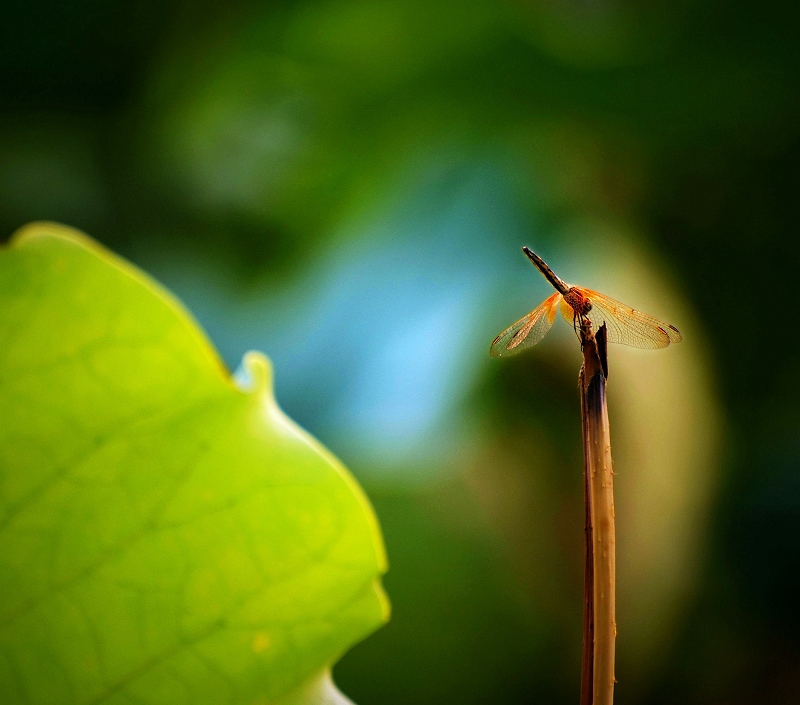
345	185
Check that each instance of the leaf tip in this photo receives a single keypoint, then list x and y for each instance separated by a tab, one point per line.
254	375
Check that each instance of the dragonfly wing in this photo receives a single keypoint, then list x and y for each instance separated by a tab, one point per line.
628	326
567	312
527	331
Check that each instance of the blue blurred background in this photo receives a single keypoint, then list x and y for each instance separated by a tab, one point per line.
346	184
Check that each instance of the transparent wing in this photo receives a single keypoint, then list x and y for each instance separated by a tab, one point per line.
627	325
527	331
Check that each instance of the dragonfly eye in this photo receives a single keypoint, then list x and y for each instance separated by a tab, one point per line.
587	306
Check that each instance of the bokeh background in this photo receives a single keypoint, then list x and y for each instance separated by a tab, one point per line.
345	185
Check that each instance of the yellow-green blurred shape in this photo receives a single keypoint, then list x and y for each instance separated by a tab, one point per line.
665	430
666	425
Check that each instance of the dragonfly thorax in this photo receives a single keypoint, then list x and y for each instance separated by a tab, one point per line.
577	301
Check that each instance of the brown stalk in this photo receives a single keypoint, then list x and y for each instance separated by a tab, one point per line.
599	621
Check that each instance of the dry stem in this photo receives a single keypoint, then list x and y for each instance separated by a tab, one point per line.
597	687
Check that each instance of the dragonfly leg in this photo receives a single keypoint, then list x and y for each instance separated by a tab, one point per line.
578	321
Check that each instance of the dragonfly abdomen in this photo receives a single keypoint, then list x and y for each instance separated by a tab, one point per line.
560	285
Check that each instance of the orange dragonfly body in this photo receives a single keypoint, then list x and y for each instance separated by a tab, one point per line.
624	324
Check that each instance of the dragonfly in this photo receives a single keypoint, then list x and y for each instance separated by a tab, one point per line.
578	305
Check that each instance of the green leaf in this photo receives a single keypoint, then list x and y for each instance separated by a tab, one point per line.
166	536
